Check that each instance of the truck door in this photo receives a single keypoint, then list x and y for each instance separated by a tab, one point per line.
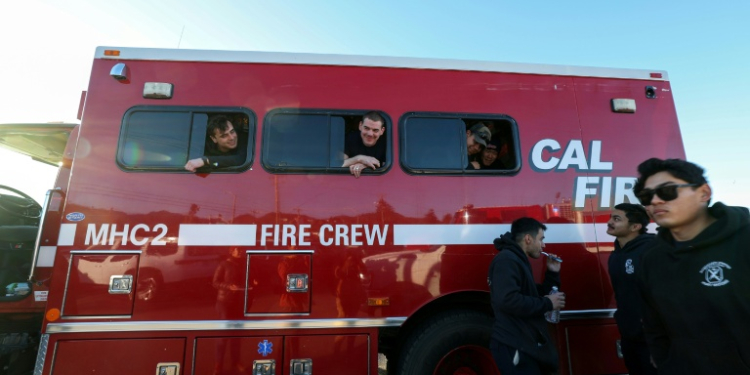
33	155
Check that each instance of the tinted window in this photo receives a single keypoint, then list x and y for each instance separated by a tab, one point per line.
308	140
436	143
298	141
156	139
165	138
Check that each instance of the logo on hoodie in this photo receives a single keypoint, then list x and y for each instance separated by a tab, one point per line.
714	274
629	269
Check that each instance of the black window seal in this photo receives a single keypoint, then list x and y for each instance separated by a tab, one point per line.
253	125
329	170
464	171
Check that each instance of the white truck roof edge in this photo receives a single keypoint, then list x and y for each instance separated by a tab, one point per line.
375	61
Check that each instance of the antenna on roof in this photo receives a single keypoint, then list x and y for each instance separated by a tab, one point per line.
181	32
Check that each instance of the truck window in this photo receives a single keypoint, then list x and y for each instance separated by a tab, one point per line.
307	141
165	138
436	143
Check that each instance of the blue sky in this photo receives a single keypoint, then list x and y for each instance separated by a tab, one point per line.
48	48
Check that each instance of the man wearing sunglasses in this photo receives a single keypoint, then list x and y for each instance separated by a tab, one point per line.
695	278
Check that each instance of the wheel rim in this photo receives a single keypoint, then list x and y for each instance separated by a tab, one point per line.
467	360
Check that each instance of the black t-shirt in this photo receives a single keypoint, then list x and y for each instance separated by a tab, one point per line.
232	158
354	146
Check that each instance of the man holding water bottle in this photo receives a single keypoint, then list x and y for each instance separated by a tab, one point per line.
520	342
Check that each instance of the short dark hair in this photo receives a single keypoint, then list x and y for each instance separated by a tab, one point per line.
682	169
523	226
374	116
217	122
635	213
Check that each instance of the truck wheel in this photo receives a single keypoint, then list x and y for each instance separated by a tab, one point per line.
450	343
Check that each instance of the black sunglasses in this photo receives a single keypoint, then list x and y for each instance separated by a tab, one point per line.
666	192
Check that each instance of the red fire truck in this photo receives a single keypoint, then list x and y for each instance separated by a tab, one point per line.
288	264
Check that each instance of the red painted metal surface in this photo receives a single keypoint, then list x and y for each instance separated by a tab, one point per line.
236	355
88	285
177	283
267	284
590	354
116	357
326	353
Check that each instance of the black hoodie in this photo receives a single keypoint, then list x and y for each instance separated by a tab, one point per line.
624	263
518	303
696	294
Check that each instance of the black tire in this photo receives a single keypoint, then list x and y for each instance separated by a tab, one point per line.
429	343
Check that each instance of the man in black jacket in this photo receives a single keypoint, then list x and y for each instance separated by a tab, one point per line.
695	279
520	338
628	224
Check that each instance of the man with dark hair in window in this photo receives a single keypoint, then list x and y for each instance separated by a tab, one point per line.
695	278
627	224
223	147
366	148
520	342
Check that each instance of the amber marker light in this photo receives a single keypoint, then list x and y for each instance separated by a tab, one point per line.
111	52
378	301
52	314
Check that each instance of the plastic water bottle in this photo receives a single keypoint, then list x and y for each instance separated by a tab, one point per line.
554	315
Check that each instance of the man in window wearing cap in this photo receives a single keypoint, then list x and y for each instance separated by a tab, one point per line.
223	147
476	139
365	149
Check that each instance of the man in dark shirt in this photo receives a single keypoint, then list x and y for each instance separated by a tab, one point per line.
225	148
492	156
627	224
366	148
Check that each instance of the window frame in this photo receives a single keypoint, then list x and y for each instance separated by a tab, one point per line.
403	139
191	110
265	143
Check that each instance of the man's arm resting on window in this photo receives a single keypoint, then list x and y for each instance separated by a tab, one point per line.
215	161
223	161
367	161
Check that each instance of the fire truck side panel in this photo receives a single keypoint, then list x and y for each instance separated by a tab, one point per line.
132	200
236	355
88	291
585	339
325	349
139	356
257	263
